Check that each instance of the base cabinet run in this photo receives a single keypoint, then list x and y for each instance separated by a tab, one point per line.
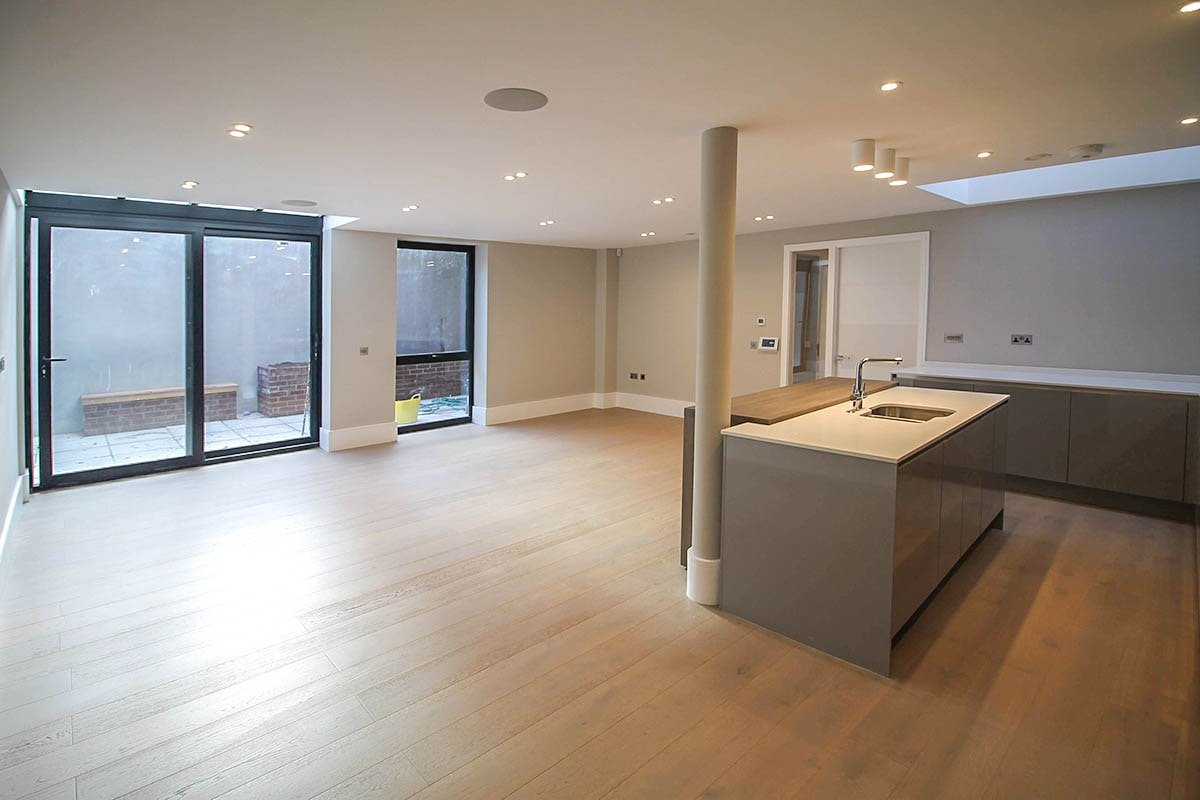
1143	444
839	552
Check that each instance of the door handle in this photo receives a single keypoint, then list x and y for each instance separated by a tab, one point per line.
51	360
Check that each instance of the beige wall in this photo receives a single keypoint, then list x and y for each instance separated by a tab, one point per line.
607	303
1102	281
541	307
11	243
534	325
359	276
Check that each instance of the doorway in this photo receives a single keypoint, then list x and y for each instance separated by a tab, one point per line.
163	336
874	294
808	314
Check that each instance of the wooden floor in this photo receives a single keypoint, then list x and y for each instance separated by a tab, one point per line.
498	612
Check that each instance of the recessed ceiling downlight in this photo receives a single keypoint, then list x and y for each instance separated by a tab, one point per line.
890	86
186	185
515	99
1189	120
1190	8
299	203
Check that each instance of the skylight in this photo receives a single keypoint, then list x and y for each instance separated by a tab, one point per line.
1107	174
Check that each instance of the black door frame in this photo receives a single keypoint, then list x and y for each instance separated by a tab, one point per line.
196	222
467	354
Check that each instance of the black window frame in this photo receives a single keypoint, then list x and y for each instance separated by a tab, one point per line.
197	221
467	354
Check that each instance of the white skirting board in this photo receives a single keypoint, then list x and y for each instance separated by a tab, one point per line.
334	439
15	496
667	406
498	415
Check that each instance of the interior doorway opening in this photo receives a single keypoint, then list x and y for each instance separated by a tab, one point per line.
847	299
811	268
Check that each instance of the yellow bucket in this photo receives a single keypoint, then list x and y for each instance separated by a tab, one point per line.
406	410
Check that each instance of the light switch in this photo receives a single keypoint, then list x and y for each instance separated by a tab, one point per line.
362	351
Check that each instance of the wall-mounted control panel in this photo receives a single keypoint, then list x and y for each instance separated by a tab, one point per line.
954	338
760	321
768	344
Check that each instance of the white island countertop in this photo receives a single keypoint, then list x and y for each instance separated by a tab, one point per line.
1053	376
835	430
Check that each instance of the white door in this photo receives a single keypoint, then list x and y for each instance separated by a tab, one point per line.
879	305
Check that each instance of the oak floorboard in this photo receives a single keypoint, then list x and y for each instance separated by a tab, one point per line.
484	612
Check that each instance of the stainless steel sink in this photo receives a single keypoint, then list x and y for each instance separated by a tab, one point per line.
907	413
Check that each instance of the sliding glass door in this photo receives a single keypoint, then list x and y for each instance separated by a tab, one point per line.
112	362
434	334
161	340
257	341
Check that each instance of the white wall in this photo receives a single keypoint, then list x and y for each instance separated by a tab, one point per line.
11	460
1102	281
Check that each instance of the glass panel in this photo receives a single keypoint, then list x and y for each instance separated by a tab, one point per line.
256	341
431	293
441	388
117	302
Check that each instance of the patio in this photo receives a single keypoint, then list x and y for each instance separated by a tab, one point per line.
74	452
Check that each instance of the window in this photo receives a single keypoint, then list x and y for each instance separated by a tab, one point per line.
434	334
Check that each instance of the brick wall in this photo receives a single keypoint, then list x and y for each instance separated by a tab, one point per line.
116	415
282	389
445	379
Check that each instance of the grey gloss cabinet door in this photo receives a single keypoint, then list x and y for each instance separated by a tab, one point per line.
915	572
951	522
1131	443
1039	421
992	502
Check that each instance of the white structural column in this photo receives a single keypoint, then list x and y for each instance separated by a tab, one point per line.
714	330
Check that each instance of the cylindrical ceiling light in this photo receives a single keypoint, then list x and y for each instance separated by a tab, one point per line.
900	178
885	163
862	155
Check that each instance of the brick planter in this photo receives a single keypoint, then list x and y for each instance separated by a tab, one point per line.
283	389
117	412
445	379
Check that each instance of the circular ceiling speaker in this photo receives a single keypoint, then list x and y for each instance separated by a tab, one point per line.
514	99
299	203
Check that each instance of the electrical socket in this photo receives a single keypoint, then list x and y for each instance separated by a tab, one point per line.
642	377
633	376
362	351
1021	338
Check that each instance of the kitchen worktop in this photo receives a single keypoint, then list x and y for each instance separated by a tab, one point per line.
1049	376
834	430
775	405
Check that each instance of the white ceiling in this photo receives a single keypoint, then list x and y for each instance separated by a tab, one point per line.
367	107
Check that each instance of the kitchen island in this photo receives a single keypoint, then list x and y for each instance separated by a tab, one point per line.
839	524
765	408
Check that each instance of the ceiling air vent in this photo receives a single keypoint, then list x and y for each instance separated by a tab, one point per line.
1083	152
